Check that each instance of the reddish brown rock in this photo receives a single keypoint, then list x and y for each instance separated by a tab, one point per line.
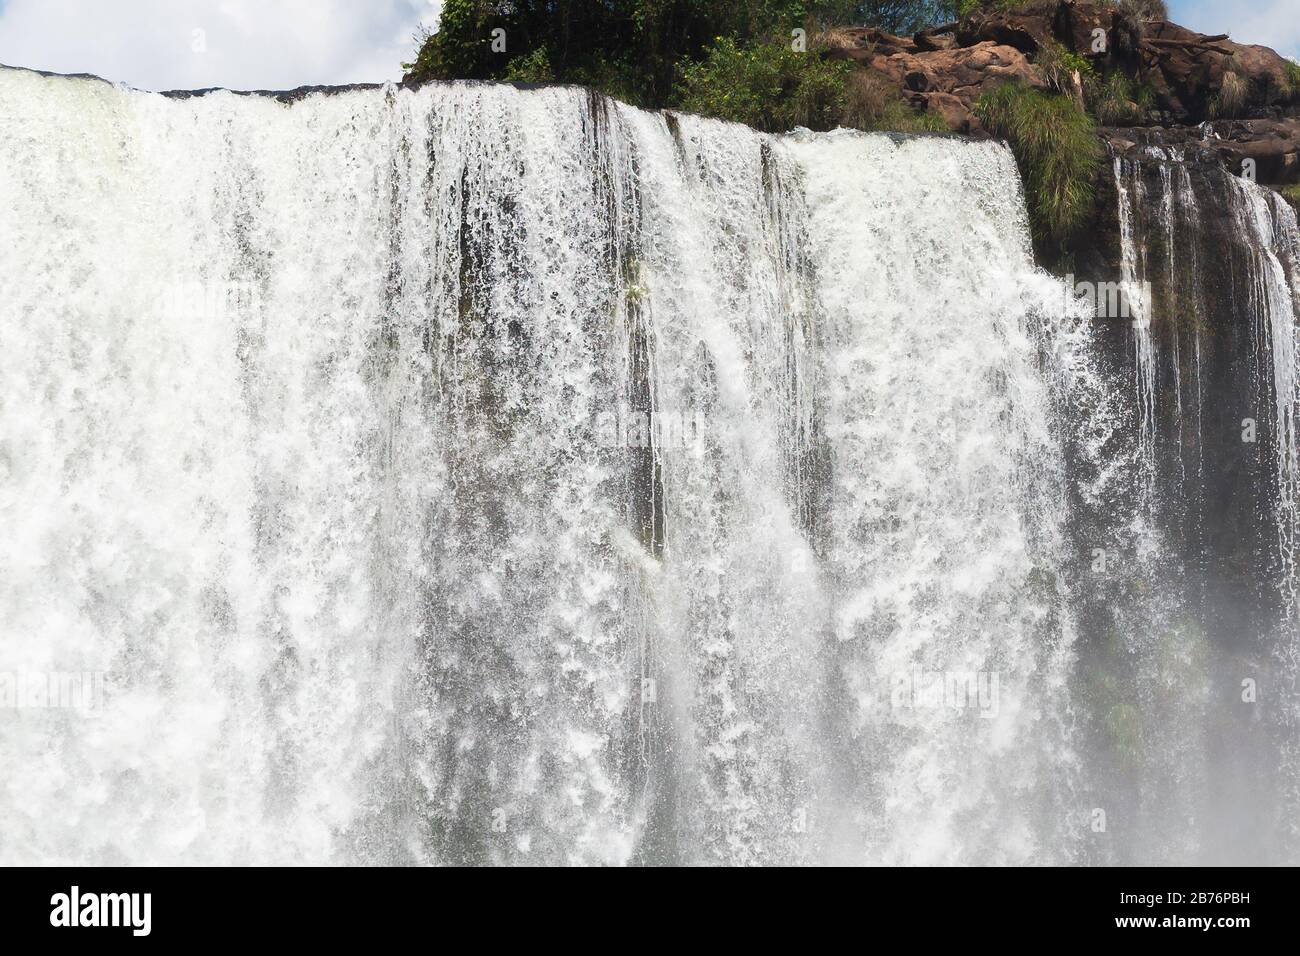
1075	26
947	81
955	112
1026	30
864	44
946	69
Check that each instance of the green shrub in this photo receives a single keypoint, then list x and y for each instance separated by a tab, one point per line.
1057	149
461	49
1116	101
901	17
767	85
1291	194
533	67
1059	66
774	88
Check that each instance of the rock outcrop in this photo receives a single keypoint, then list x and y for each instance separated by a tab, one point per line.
1228	101
1273	145
936	74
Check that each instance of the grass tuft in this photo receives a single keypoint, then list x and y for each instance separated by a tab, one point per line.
1059	66
1117	101
1230	101
1057	149
1293	79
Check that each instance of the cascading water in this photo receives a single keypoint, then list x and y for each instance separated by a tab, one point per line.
473	475
1211	260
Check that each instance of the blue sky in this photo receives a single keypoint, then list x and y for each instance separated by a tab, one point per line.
1274	23
279	44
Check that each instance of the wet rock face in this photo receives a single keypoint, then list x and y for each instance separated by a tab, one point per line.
1206	368
1207	247
1272	144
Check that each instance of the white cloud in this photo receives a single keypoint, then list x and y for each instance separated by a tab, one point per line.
192	44
1271	23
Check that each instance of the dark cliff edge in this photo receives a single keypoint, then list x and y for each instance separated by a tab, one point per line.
299	93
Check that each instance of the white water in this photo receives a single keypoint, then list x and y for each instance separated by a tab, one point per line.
1274	301
1266	228
1133	276
1177	674
314	436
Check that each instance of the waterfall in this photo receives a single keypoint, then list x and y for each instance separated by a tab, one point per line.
1214	257
467	474
1269	225
1133	278
1264	291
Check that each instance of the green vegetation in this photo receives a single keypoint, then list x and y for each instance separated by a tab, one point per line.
1139	9
635	49
1115	100
1060	66
531	68
1230	101
964	8
771	87
734	59
767	85
1057	149
901	17
873	103
1293	79
1145	9
1291	194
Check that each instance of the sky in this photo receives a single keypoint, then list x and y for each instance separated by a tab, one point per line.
280	44
194	44
1273	23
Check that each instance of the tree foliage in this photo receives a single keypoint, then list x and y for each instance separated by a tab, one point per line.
768	86
636	49
634	45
